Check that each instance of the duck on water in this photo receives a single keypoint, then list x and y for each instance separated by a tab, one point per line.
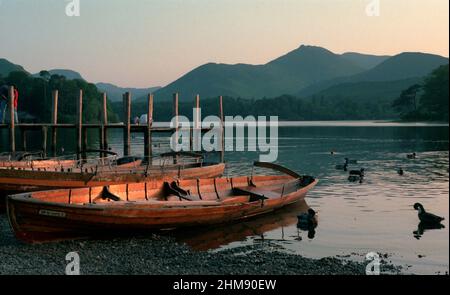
426	217
411	156
356	175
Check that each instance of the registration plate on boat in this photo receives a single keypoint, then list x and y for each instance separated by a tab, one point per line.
52	213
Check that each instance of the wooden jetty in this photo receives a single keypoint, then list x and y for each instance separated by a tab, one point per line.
102	126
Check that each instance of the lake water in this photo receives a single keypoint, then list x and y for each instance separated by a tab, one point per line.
353	218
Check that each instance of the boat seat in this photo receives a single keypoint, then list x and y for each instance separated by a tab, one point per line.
172	189
106	194
256	193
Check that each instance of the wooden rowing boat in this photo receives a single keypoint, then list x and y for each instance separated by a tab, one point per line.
161	204
36	160
100	173
18	180
32	160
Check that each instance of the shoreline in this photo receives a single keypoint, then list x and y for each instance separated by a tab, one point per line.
162	255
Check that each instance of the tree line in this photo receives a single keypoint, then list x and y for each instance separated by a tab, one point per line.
428	101
35	98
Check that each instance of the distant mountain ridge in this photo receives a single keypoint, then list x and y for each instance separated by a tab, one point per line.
303	72
365	61
403	66
287	74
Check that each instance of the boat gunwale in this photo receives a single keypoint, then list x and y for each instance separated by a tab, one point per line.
26	198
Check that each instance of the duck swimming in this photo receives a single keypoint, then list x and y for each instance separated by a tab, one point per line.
425	217
411	156
355	175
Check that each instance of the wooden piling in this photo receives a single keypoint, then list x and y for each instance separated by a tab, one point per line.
175	115
222	130
81	128
54	121
79	123
148	130
195	130
197	111
12	125
127	130
103	129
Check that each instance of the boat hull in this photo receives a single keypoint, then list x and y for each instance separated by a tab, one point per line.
35	221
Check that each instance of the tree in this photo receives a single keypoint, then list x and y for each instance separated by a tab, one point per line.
433	103
435	98
44	75
35	101
407	101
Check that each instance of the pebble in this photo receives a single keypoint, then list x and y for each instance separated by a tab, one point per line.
162	255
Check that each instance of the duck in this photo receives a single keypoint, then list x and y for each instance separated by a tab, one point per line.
307	219
425	217
400	171
411	156
355	175
359	172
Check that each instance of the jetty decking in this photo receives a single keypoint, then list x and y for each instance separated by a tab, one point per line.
102	126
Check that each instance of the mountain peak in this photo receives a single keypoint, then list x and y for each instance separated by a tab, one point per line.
312	47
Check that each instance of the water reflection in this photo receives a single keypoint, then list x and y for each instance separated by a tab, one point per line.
353	217
213	238
423	227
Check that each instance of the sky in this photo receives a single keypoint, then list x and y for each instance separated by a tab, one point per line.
143	43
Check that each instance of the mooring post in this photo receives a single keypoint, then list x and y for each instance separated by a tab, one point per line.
103	132
148	131
175	115
44	140
79	123
127	131
54	121
194	131
12	124
222	130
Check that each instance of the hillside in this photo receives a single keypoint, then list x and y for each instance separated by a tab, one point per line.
399	67
286	74
368	91
7	67
365	61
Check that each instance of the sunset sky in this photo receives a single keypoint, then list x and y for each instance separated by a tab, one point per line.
144	43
